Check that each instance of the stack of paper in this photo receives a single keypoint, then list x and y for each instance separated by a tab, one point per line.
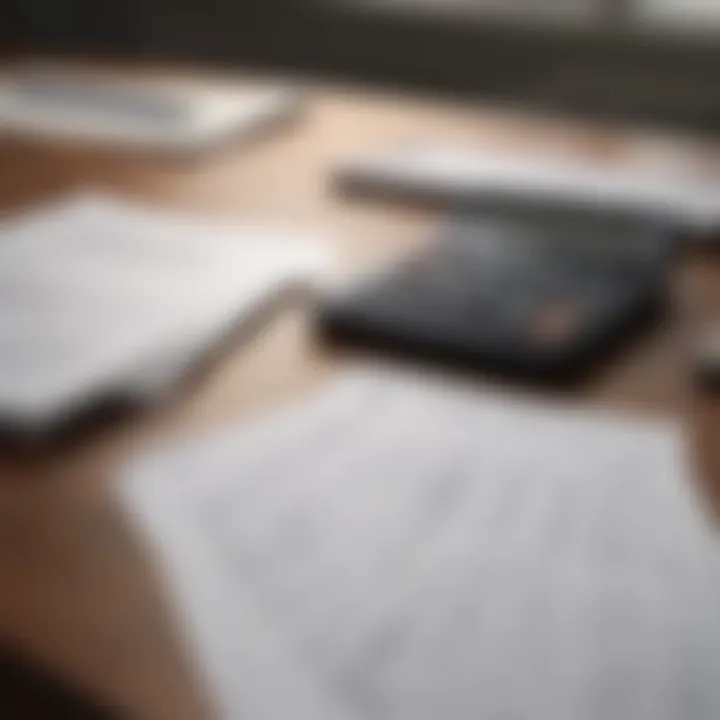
429	552
102	298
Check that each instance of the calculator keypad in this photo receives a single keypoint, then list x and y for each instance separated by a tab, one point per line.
496	295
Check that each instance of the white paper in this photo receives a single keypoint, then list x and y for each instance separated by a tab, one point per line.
97	293
250	669
457	172
436	553
82	106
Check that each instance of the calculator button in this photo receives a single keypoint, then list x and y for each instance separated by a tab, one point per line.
557	322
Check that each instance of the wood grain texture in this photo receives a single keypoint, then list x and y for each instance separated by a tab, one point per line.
75	587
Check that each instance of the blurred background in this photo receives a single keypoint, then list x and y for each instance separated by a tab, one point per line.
654	59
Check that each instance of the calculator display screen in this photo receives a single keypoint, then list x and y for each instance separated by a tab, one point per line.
595	238
583	234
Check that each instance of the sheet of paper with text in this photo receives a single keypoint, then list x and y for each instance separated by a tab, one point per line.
431	551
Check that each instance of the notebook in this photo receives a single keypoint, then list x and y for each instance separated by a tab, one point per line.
103	298
93	107
430	550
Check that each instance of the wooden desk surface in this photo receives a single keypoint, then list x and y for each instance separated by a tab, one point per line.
75	588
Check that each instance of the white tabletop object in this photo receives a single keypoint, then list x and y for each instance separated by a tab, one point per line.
432	551
101	297
146	114
462	174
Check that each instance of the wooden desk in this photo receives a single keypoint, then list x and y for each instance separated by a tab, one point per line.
75	588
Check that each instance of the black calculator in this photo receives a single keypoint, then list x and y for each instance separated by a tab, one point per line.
540	292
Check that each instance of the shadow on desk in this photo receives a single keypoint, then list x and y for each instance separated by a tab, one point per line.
29	692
